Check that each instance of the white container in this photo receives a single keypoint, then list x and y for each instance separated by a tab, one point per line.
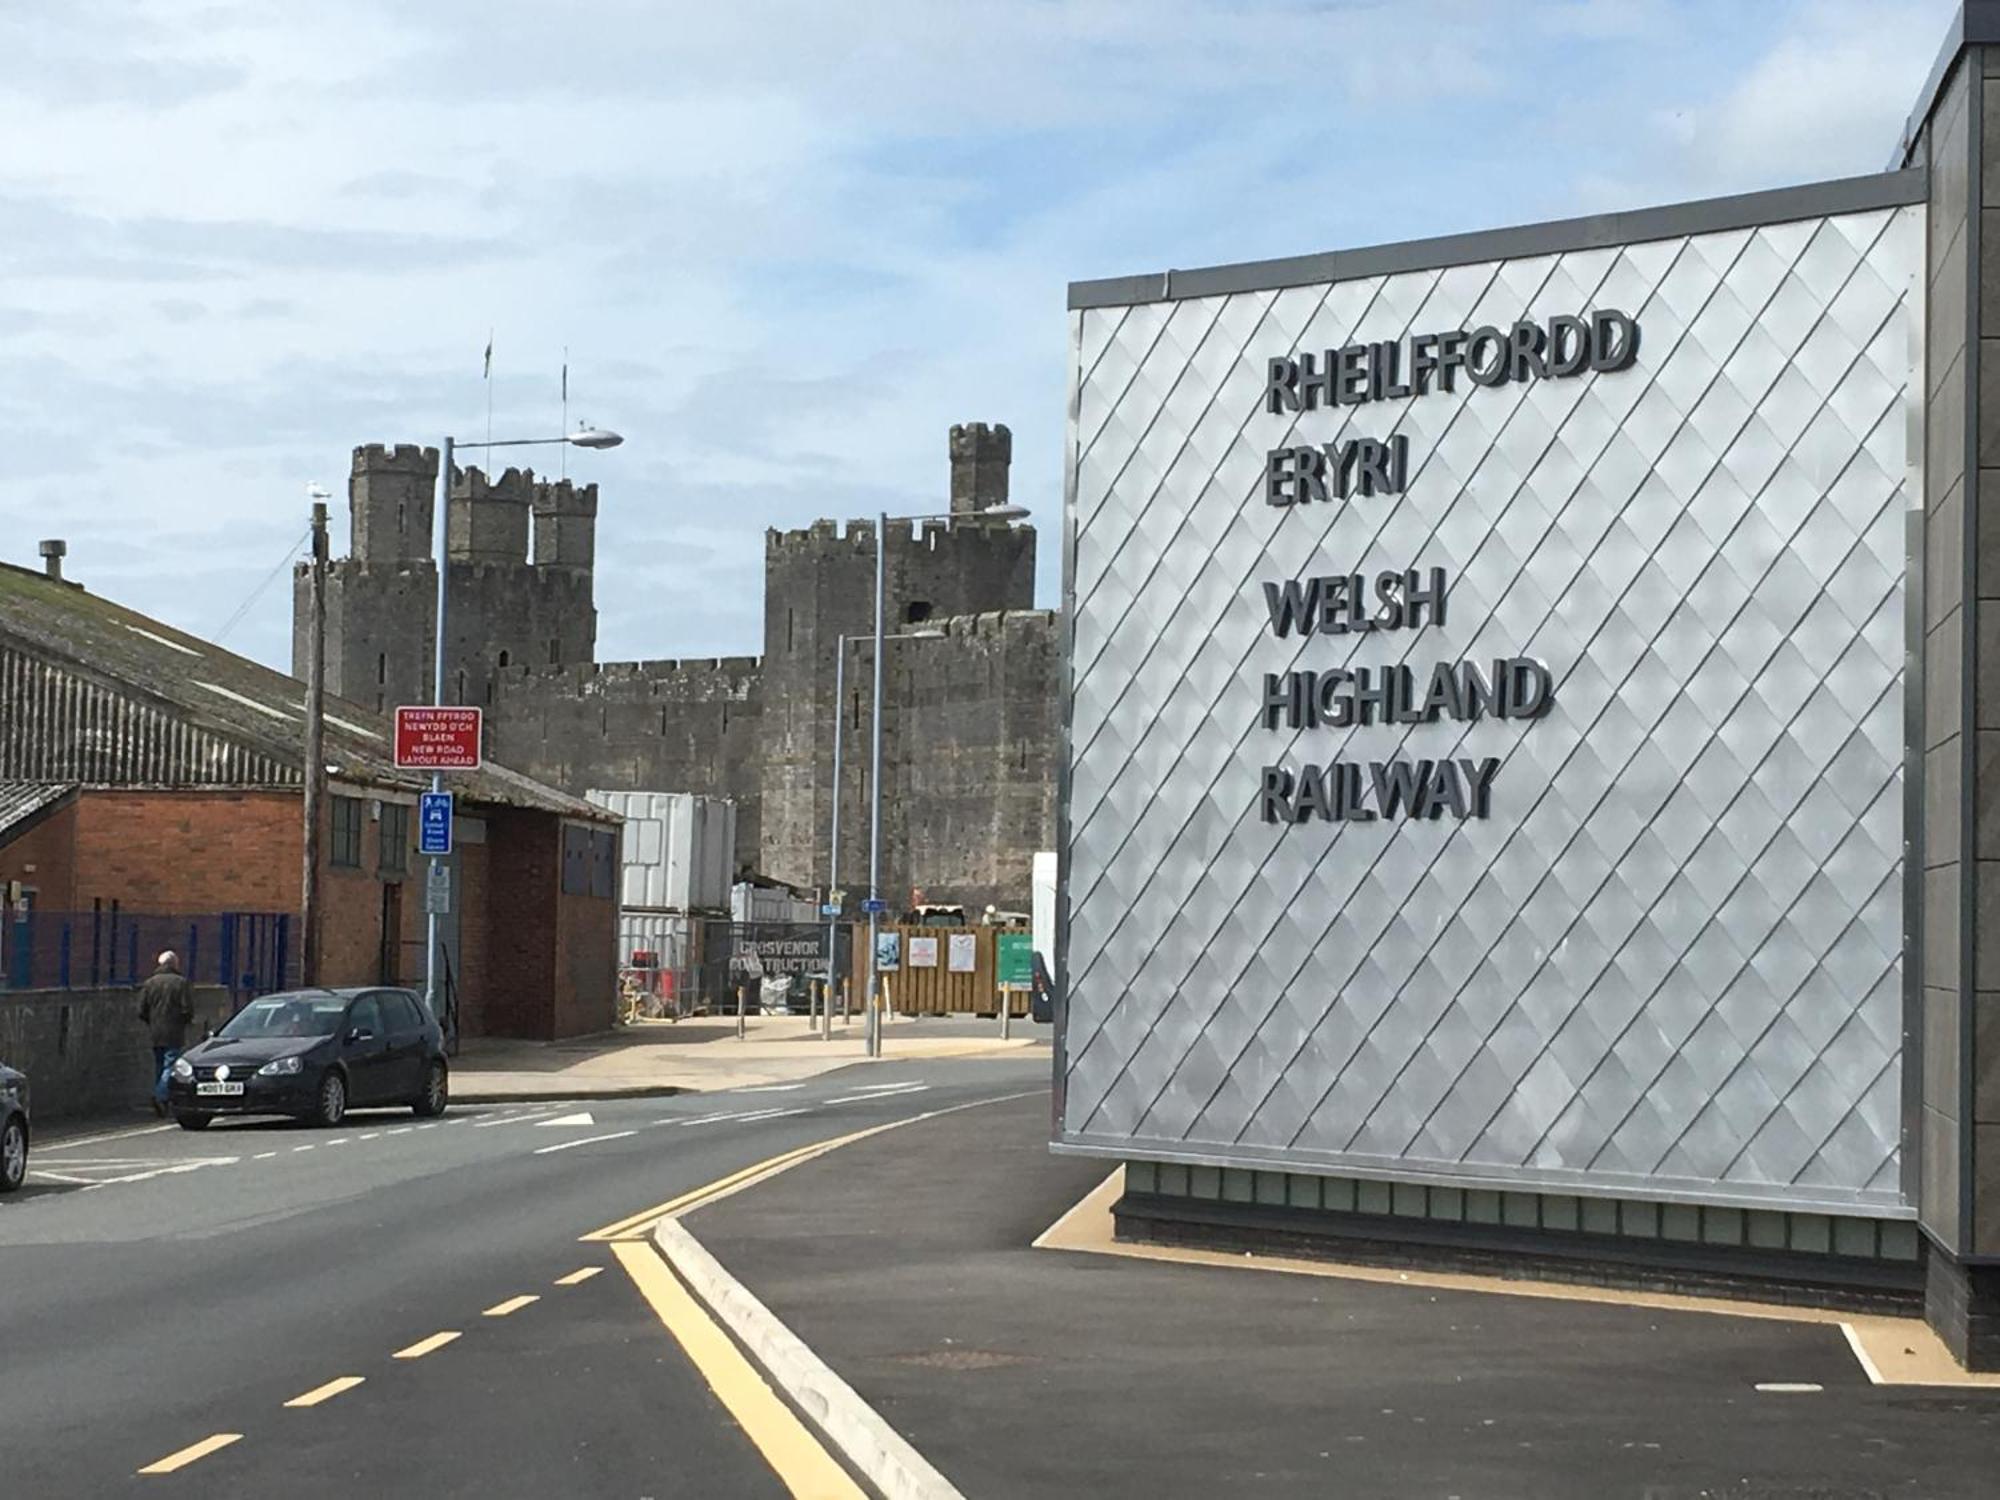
679	850
753	903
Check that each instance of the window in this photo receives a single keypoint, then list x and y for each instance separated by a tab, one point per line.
555	653
505	658
402	1012
395	838
916	612
366	1015
381	666
346	852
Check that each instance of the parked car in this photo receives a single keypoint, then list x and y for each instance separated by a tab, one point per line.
313	1054
13	1128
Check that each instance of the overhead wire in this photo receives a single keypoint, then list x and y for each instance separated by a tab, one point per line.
258	592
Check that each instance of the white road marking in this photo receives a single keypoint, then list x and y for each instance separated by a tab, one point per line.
402	1130
372	1135
511	1305
302	1148
581	1117
328	1391
1789	1387
169	1171
1868	1365
516	1118
589	1140
424	1346
264	1156
885	1090
341	1142
772	1088
47	1176
92	1140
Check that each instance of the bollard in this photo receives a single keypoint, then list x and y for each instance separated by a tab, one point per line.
1006	1012
742	1029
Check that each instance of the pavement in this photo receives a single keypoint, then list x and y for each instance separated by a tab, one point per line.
394	1306
653	1058
905	1263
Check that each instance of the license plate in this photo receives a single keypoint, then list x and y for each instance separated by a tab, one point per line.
218	1088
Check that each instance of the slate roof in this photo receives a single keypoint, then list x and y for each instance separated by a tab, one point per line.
97	648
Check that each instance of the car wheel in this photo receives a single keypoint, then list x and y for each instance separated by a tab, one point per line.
192	1121
437	1093
13	1155
332	1107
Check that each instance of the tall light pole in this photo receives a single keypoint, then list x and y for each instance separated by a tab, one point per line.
833	840
991	513
583	437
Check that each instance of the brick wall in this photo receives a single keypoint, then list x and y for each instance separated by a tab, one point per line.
85	1051
197	851
44	860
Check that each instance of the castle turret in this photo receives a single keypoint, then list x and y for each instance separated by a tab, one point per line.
566	526
980	456
488	518
391	497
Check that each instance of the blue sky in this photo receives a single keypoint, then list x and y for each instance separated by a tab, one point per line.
786	244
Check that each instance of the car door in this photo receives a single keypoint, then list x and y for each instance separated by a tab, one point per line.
408	1042
364	1049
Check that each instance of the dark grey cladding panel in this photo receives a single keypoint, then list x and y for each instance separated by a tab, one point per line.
1707	216
1977	24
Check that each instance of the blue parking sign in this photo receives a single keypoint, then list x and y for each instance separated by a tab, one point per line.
434	823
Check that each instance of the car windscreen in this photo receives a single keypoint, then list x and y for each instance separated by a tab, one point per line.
286	1016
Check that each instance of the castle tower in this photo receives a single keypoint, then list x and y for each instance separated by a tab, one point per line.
488	518
391	498
980	456
565	525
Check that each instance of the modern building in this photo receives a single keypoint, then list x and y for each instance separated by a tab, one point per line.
970	728
1529	794
148	777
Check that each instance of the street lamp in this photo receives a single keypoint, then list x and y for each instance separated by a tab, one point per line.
990	513
833	852
583	437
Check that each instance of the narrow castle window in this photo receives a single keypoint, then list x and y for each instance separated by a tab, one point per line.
916	611
788	630
555	653
381	667
402	523
461	688
663	721
489	692
504	658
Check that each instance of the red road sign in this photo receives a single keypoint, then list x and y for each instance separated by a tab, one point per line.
437	739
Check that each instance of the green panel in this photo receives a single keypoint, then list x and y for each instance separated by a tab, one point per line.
1639	1220
1899	1240
1173	1179
1372	1197
1854	1237
1722	1226
1409	1200
1270	1187
1680	1221
1205	1182
1812	1233
1239	1185
1766	1230
1302	1191
1482	1206
1142	1176
1600	1215
1559	1211
1447	1203
1521	1210
1339	1194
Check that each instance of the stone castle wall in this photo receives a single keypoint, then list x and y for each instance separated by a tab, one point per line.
970	710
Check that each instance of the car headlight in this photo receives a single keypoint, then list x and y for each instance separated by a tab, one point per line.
183	1069
280	1067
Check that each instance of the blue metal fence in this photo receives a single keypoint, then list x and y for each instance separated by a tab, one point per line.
248	953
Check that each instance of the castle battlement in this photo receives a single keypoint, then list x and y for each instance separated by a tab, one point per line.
514	487
1025	623
858	533
404	458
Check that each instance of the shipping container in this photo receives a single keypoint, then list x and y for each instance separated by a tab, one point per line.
758	903
679	850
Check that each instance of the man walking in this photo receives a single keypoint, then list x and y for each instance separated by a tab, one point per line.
166	1005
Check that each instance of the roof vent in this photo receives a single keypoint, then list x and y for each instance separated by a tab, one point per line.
54	550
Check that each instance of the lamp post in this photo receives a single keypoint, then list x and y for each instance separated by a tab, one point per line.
833	840
991	513
583	437
315	749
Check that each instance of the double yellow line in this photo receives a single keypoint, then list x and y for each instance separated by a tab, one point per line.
638	1226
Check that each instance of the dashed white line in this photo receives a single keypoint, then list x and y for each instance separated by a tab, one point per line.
402	1130
1789	1387
302	1148
589	1140
772	1088
341	1142
372	1135
264	1156
577	1278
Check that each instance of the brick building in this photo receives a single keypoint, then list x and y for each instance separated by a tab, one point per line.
145	772
971	724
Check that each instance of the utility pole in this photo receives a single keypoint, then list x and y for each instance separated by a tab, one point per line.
315	752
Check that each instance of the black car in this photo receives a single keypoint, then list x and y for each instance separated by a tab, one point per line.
311	1054
13	1128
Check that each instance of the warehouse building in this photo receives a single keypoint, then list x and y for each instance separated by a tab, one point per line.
150	796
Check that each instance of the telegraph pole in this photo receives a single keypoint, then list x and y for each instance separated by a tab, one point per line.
315	753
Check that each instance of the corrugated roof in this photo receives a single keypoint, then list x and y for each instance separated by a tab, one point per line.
21	800
125	699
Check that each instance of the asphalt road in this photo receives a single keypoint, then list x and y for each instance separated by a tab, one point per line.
159	1289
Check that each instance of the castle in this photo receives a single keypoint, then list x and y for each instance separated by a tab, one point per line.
971	717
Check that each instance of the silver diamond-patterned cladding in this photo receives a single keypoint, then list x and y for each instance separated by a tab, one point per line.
1670	959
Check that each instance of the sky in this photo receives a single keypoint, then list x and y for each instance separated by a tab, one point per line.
786	245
